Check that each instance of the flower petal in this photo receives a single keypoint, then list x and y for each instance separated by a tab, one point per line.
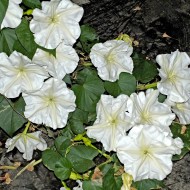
65	62
145	109
111	58
146	152
26	143
13	15
56	22
111	121
50	105
175	76
18	74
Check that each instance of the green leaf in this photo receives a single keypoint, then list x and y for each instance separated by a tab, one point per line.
26	38
88	38
10	117
89	91
112	88
63	169
7	40
91	185
61	144
32	3
81	157
3	8
78	118
67	132
50	158
148	184
125	85
67	79
177	132
161	98
110	182
144	70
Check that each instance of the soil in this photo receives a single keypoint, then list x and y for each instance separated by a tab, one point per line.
146	21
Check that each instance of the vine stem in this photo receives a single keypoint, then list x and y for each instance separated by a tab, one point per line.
26	128
146	86
31	164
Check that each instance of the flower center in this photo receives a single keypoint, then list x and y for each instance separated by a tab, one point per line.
21	71
172	76
54	19
51	100
111	58
145	117
146	151
180	106
113	122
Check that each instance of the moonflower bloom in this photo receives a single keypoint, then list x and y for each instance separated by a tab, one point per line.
175	76
65	62
111	58
147	152
26	143
144	108
182	110
13	15
57	21
18	74
51	104
111	121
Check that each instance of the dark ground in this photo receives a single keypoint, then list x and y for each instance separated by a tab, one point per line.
146	21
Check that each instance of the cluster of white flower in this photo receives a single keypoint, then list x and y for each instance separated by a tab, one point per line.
138	127
48	100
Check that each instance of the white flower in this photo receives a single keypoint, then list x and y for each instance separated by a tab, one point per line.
65	62
26	143
182	110
175	76
111	121
144	108
18	74
51	104
56	22
111	58
13	14
147	152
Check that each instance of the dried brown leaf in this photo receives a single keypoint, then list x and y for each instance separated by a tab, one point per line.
137	8
164	35
183	129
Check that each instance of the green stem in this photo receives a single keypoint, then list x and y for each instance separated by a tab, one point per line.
75	176
104	163
37	162
32	163
28	12
101	152
87	64
87	142
146	86
8	167
26	128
